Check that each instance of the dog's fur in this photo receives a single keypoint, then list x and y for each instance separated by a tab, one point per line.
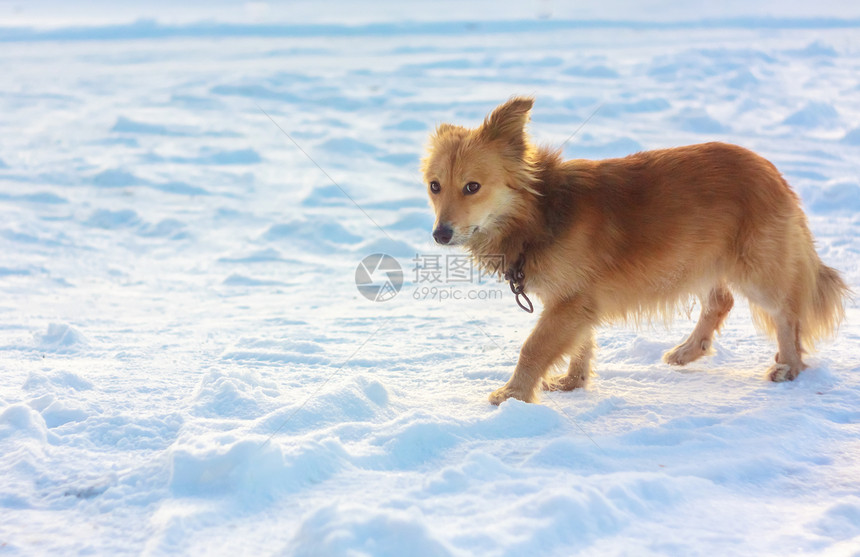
632	238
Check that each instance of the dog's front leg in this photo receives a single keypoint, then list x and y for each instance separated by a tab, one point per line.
561	327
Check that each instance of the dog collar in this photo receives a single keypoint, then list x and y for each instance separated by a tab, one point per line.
515	277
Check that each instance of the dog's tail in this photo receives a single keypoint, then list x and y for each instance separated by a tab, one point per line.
823	310
818	300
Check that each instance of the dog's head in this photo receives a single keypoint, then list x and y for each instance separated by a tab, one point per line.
474	175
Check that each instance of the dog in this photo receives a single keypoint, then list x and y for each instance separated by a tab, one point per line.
629	238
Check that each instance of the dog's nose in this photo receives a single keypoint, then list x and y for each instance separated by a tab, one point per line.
443	234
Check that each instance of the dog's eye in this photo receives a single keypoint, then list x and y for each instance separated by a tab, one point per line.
435	187
471	188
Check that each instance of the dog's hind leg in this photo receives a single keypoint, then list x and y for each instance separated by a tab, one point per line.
579	370
797	345
714	310
788	361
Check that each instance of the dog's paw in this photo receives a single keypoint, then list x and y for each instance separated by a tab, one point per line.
782	372
686	352
564	382
500	395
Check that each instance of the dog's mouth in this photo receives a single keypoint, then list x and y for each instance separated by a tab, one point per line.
461	236
464	238
467	237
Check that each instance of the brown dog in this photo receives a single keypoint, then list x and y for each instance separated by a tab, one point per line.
630	238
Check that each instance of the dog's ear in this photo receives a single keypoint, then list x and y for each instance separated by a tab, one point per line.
448	130
508	121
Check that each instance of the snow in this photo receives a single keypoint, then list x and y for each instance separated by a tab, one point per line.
189	368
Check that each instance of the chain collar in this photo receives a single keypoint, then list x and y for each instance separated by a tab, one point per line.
516	277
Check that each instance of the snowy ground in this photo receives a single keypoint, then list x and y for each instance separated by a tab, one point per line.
188	367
